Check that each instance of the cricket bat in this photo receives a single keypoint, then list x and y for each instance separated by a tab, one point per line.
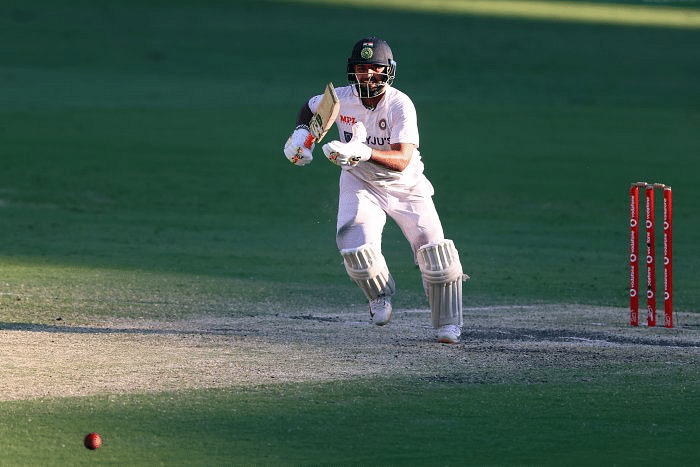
325	116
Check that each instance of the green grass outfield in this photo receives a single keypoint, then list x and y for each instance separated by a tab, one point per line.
364	423
142	140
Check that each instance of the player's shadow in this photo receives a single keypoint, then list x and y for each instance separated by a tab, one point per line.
32	327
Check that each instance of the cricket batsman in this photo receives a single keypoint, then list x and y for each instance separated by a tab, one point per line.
382	175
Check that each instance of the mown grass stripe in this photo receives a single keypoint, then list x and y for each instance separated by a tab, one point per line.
631	15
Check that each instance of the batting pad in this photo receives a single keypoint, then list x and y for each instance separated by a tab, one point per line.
366	266
442	277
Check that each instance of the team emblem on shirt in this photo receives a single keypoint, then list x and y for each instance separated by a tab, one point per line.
382	124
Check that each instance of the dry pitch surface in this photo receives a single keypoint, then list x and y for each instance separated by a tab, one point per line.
499	344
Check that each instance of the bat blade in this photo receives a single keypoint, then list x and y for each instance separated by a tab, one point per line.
325	116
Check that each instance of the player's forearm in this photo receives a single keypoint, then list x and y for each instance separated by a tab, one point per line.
397	158
305	115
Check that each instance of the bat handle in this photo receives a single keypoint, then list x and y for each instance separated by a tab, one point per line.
309	141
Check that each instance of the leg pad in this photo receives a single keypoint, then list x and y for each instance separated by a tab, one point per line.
366	266
442	278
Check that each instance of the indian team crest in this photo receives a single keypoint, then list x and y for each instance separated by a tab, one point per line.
382	124
367	51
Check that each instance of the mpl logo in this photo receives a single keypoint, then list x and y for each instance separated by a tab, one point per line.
348	120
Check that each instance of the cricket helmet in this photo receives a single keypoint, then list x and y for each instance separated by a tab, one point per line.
372	51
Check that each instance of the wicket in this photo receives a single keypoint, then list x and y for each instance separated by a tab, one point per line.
651	253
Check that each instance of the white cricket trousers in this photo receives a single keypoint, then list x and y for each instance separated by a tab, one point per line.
363	208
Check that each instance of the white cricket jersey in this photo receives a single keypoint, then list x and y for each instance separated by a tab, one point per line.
394	120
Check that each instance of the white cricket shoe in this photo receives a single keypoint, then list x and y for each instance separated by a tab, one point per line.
449	334
380	310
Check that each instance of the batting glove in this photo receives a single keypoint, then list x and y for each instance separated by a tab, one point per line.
295	150
352	152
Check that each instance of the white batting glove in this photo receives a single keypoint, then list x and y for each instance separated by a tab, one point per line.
352	152
295	150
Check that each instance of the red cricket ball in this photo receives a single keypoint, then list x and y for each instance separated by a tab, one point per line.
92	441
